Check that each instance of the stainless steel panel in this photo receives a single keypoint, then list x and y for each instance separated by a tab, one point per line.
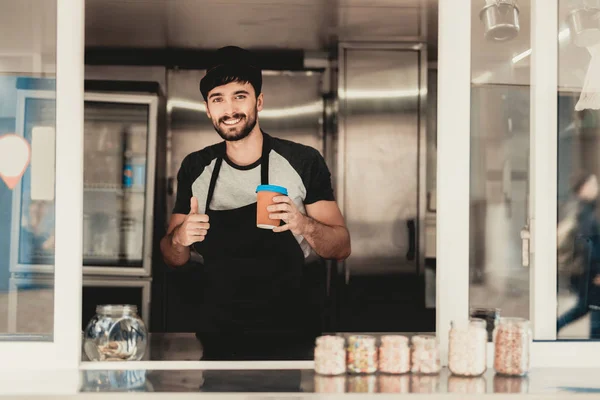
294	104
283	24
379	154
293	110
128	73
381	23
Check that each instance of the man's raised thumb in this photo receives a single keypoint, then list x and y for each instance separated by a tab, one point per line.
193	205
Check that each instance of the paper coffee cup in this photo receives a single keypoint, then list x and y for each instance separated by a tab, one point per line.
264	198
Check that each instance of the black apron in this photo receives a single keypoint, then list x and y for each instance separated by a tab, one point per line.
253	283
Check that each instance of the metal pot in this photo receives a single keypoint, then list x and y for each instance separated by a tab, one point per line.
501	19
584	26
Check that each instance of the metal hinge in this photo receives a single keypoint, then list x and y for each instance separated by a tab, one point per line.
525	246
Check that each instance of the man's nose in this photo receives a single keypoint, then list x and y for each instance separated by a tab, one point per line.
230	108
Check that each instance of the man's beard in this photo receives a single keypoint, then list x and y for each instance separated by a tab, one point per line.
238	132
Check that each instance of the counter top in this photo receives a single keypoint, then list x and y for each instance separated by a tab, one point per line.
554	382
252	379
543	383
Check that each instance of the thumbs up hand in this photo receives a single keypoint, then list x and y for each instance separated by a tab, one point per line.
194	228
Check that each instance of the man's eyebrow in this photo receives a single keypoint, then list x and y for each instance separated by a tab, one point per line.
235	93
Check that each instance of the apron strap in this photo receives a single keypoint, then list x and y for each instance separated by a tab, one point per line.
214	176
264	162
213	182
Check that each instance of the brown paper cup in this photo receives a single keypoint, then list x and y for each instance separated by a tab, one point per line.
263	200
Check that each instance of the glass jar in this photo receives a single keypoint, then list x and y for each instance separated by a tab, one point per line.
330	384
424	383
115	333
512	343
425	356
115	381
491	316
394	354
330	355
467	348
394	383
467	385
362	354
362	384
511	384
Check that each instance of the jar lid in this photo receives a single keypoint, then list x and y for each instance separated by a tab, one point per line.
424	339
113	309
485	310
394	340
272	188
330	341
470	323
361	340
514	321
478	322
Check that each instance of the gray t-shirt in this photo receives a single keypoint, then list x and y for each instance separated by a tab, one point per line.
299	168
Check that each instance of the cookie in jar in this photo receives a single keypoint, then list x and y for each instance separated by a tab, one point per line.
394	354
512	345
425	355
330	355
467	347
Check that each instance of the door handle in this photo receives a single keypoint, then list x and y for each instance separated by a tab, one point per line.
525	244
170	186
412	239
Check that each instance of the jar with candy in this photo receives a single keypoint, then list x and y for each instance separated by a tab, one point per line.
330	355
425	356
394	354
512	343
467	348
362	354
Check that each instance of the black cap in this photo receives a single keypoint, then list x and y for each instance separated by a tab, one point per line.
230	64
233	55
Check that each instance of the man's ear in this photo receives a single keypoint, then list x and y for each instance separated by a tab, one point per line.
207	111
259	102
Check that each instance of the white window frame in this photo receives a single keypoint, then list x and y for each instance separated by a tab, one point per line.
453	192
453	167
63	353
454	105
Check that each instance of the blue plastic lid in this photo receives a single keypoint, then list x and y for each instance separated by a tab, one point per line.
272	188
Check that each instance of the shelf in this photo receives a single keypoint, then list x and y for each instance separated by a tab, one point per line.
108	257
112	188
117	153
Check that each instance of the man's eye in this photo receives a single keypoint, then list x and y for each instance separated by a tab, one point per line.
240	97
217	100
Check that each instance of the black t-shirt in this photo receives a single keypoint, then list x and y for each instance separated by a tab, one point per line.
300	169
